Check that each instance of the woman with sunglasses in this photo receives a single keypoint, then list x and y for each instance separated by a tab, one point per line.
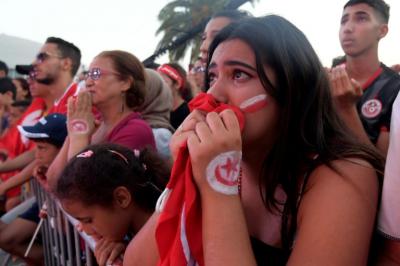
115	86
281	181
195	77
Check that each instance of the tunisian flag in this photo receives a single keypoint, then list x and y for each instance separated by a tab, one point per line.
179	229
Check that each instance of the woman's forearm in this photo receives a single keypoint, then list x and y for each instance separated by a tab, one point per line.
225	236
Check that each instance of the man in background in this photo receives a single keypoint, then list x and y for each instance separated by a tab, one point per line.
363	88
3	69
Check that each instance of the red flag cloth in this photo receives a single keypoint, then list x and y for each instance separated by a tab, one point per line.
179	229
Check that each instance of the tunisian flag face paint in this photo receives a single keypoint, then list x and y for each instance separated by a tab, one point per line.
254	104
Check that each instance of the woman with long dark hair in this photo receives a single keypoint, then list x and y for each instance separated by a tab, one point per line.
294	186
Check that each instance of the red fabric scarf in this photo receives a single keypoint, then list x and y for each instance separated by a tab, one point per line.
179	229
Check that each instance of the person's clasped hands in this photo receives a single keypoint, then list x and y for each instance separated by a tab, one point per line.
345	91
81	121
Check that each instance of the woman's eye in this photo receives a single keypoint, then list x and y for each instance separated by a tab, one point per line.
237	74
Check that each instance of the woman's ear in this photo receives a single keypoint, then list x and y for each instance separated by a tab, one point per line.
127	84
122	197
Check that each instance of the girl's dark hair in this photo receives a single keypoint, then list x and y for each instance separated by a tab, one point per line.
128	66
92	176
308	126
186	91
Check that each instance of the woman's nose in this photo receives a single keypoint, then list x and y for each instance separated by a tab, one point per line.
204	50
88	82
86	228
218	90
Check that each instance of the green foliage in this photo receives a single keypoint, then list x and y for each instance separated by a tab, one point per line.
178	17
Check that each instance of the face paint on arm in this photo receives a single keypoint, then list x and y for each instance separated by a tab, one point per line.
79	126
223	172
254	104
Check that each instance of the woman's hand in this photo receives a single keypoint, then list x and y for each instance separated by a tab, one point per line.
184	130
215	151
107	252
81	122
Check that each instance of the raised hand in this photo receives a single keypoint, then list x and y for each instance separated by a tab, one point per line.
215	151
39	172
81	121
396	67
184	130
345	91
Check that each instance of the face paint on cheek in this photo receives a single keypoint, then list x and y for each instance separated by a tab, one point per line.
223	172
254	104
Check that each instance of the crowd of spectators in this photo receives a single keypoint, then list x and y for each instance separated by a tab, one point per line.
256	154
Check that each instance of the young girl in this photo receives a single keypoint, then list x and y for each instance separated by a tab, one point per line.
111	191
305	191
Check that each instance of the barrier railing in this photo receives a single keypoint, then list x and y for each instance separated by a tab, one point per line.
63	244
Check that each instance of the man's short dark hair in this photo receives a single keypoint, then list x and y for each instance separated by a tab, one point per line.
379	6
4	67
7	85
232	14
67	50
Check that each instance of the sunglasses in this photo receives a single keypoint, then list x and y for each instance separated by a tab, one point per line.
43	56
198	69
96	73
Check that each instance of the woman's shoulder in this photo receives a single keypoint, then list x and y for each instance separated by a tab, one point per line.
349	180
134	120
337	213
132	132
351	170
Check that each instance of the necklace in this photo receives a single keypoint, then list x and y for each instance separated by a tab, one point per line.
240	182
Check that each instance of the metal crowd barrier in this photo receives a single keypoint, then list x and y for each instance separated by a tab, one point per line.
62	243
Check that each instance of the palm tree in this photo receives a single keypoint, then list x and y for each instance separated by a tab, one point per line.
183	20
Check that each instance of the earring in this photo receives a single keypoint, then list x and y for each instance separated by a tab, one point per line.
123	102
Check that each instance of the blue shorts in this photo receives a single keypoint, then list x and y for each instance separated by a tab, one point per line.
31	214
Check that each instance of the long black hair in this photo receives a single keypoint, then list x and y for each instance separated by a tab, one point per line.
309	125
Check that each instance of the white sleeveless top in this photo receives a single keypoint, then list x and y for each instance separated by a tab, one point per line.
389	214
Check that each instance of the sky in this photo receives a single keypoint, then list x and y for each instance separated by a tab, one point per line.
98	25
